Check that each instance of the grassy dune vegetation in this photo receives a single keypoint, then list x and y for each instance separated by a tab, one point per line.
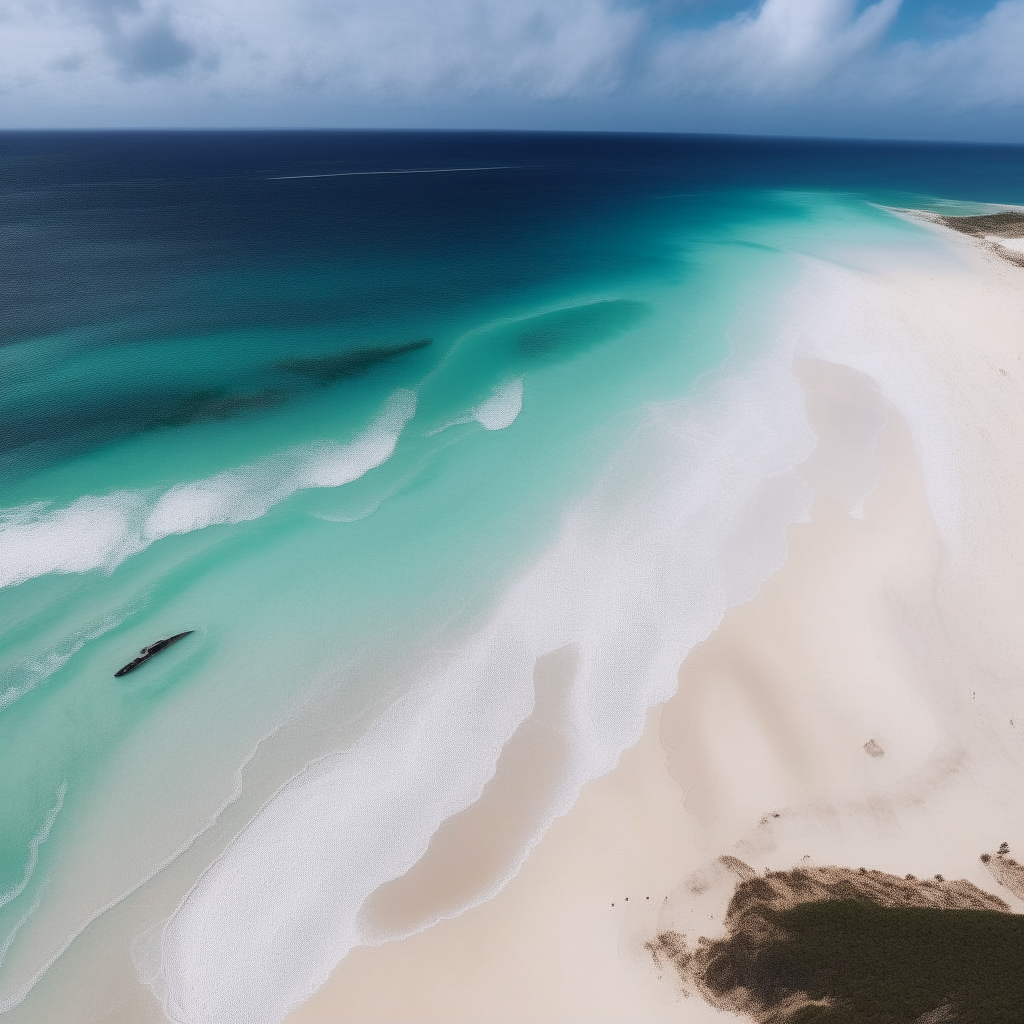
830	945
884	965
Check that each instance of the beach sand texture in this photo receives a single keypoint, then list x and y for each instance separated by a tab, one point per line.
865	709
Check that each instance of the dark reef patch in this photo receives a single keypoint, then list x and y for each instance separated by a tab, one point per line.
333	366
835	946
83	424
216	404
564	331
78	426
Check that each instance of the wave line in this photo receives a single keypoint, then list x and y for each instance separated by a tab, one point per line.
33	856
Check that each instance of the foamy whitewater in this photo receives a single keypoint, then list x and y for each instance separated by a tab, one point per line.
688	521
102	531
382	474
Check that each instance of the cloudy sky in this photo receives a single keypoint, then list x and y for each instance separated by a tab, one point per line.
918	68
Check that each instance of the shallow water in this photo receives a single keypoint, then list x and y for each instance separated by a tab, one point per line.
372	436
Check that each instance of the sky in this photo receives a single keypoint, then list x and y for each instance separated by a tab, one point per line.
934	69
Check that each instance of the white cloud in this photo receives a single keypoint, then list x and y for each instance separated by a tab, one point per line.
379	50
784	48
983	65
141	54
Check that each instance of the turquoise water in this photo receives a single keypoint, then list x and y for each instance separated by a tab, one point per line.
336	425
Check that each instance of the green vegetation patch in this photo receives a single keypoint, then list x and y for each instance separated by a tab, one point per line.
566	331
1009	224
875	964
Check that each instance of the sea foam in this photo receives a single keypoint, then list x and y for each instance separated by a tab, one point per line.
28	673
689	519
100	532
502	408
846	317
33	850
642	571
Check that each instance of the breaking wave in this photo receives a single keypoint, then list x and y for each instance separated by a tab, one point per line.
100	532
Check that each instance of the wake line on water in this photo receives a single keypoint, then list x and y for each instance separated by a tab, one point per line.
101	532
411	170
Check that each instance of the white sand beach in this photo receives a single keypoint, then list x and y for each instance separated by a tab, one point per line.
1015	244
865	709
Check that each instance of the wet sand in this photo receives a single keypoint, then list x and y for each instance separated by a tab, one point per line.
864	709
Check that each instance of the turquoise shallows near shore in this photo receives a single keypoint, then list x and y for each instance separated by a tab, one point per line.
380	442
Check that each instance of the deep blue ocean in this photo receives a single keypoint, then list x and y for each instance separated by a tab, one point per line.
370	413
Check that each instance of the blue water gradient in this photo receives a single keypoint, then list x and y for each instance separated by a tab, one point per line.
321	398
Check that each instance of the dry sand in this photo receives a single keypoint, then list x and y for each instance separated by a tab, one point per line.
865	709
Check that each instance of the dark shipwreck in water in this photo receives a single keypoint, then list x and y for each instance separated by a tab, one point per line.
147	652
